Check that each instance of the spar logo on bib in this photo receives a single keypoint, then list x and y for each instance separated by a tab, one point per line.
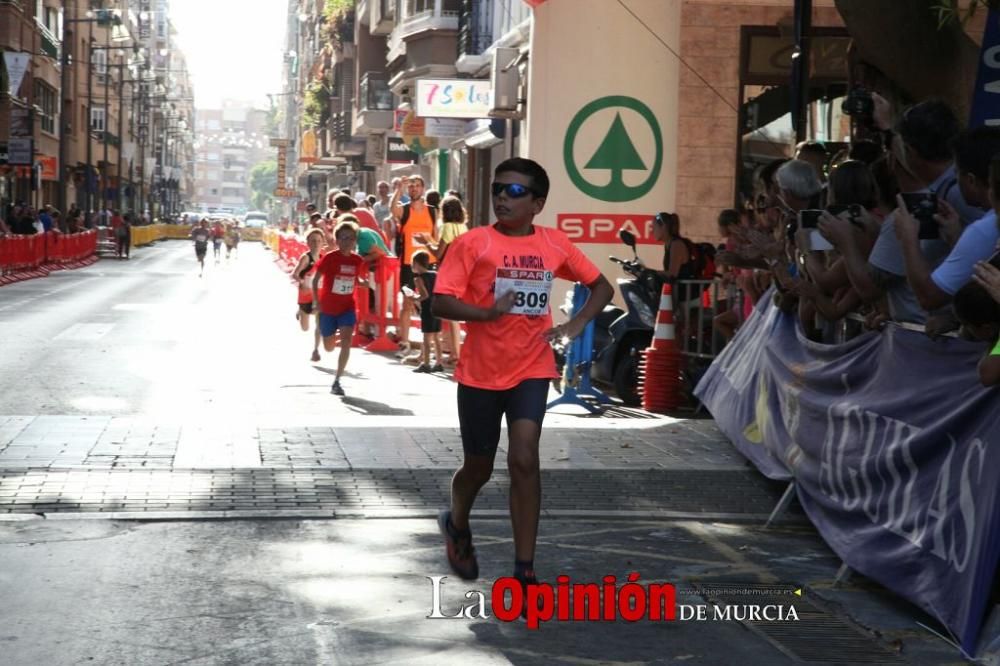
531	289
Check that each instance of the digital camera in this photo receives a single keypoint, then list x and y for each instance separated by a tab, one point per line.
809	219
859	105
853	211
923	206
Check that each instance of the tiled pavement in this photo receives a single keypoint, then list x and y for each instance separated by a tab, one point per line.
132	466
89	442
723	494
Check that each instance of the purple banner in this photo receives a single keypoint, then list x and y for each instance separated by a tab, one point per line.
888	439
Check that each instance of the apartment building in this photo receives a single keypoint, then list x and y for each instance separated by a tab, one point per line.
29	101
231	141
103	111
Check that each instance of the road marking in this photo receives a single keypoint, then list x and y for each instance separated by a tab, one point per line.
85	332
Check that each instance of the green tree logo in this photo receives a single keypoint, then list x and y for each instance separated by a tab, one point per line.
616	153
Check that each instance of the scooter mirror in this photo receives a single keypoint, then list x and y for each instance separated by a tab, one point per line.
627	237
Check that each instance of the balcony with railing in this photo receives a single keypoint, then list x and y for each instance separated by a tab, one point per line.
475	35
375	104
49	42
421	19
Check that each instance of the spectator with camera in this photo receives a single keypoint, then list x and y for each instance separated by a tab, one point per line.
853	209
974	151
921	162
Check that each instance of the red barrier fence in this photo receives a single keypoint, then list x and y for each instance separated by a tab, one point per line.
24	257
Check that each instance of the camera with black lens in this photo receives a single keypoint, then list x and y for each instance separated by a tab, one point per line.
860	105
923	206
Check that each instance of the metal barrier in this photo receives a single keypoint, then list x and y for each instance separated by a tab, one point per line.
695	304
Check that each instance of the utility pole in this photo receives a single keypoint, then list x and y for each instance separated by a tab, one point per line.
65	110
107	117
121	116
90	118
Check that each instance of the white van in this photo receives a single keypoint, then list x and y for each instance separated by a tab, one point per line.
255	218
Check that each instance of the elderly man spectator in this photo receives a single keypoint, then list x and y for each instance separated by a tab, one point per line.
799	186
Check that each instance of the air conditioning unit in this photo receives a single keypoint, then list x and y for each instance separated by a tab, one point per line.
505	80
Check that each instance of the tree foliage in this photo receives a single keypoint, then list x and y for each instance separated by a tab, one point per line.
961	10
339	18
316	109
263	181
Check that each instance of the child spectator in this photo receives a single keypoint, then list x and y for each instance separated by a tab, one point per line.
424	279
979	314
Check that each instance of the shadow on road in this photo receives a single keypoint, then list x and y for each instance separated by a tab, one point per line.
372	408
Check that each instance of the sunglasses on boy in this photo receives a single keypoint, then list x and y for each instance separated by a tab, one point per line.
512	190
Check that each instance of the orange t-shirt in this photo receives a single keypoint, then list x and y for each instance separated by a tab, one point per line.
416	223
498	355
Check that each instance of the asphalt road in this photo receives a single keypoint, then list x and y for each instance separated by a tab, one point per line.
133	380
149	336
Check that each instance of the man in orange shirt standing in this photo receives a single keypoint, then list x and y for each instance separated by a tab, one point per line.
498	279
415	217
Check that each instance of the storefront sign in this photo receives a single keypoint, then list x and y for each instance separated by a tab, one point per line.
17	65
453	98
20	151
307	149
446	128
397	152
21	123
604	227
610	151
49	167
375	149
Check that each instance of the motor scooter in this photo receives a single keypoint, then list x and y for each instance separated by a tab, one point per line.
620	336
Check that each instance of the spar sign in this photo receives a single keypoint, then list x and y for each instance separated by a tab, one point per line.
604	227
623	165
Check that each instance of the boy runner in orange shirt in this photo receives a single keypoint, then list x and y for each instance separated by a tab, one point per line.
499	279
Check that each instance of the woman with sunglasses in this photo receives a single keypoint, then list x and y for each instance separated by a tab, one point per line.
498	279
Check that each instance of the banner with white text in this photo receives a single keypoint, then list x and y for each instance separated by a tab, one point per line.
888	439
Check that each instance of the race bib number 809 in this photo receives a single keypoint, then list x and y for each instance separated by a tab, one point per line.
531	289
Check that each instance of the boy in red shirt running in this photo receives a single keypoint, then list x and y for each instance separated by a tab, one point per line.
499	279
333	289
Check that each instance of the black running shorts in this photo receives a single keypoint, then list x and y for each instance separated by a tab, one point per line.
480	411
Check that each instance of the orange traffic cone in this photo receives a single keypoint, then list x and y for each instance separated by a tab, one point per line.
659	370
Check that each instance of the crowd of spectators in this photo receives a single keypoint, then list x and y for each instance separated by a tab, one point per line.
380	235
22	219
900	232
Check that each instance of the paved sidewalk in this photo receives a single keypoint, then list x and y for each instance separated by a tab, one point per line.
96	442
